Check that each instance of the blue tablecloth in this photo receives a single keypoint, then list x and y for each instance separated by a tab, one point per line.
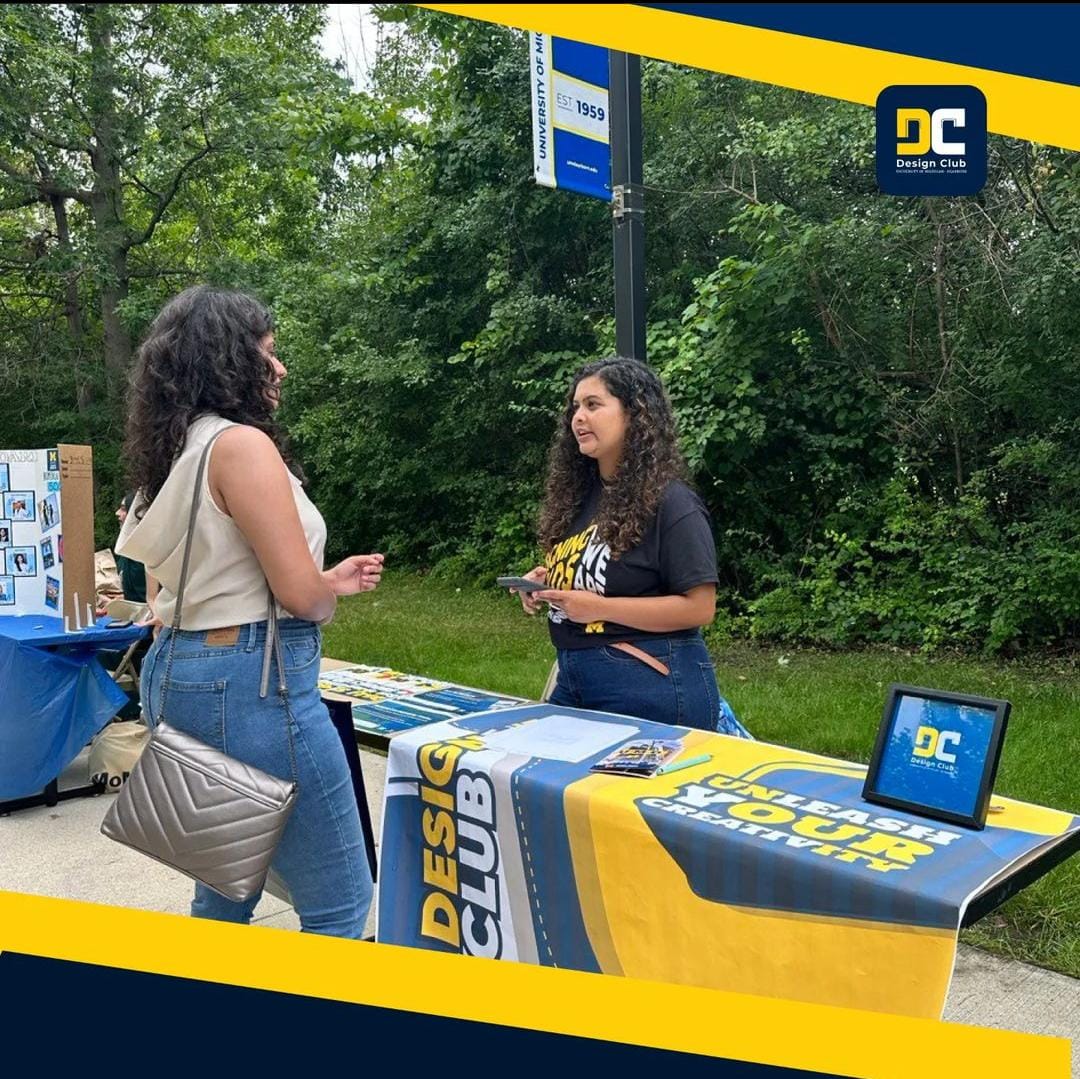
54	697
47	632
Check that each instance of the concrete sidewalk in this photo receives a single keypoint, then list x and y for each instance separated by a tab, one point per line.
59	851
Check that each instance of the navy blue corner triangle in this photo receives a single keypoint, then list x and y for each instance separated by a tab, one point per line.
1036	40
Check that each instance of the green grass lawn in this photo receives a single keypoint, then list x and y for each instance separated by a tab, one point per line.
823	702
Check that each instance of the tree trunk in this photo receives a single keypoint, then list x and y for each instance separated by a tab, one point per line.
107	198
72	308
944	387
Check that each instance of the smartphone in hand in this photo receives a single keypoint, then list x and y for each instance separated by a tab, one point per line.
522	584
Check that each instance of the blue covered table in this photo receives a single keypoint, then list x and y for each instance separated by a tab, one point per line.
54	697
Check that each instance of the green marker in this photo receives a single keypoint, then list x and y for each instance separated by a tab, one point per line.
678	766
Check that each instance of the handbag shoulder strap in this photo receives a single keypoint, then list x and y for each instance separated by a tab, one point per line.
196	499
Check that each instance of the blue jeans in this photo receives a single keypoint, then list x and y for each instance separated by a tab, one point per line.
213	694
606	680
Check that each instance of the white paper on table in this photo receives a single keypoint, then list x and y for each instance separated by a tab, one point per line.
558	738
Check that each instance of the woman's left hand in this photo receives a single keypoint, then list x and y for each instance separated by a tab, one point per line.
357	573
577	604
152	621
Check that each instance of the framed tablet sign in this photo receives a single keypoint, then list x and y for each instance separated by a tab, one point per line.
937	754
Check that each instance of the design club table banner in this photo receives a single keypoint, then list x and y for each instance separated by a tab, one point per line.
760	870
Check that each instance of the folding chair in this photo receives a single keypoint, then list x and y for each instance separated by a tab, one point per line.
127	611
549	686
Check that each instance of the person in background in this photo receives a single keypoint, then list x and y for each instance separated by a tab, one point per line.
132	577
132	574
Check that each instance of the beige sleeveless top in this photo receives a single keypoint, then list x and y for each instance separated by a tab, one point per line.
226	585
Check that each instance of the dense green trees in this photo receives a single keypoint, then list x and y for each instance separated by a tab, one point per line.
141	147
879	396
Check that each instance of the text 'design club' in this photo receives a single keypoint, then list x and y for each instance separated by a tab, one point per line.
931	140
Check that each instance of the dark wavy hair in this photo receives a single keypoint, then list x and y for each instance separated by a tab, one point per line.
201	355
650	460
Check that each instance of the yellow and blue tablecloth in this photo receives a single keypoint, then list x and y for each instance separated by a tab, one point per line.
761	870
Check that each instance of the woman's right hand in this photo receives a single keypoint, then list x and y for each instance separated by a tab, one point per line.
539	573
355	574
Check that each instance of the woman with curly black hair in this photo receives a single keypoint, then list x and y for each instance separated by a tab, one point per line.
630	563
207	378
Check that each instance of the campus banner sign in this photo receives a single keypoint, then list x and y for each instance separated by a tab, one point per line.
760	870
570	115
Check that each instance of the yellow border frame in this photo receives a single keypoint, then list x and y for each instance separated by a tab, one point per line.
1024	108
760	1030
756	1029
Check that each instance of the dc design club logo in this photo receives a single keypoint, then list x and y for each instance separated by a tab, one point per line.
936	749
931	140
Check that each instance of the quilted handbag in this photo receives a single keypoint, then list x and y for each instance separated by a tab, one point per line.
194	808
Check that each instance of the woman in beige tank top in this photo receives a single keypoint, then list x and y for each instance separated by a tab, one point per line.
207	368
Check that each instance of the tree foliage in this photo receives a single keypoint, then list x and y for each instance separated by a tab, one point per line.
878	396
141	147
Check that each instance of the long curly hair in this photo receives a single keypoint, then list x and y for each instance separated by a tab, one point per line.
201	355
650	460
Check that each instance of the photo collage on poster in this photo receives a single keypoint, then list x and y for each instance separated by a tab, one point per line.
31	543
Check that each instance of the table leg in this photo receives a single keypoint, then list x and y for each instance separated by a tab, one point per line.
50	796
341	715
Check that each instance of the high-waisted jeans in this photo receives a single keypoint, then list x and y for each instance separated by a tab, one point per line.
607	680
213	694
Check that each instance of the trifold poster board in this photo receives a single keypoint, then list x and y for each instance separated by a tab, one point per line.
47	531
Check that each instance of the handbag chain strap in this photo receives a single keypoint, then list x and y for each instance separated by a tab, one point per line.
272	646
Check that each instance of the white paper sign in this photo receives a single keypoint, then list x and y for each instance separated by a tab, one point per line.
557	738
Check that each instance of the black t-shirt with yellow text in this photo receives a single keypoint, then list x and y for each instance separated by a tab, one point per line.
676	553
